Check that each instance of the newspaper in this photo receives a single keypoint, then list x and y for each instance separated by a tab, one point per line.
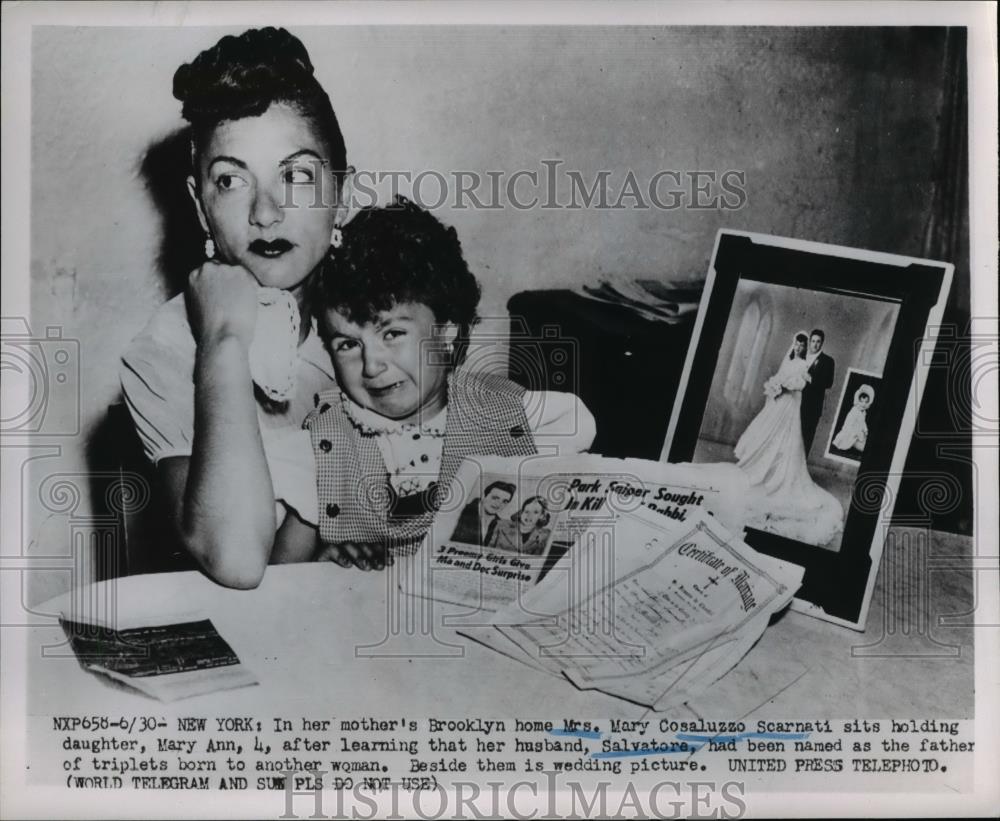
510	519
625	576
653	617
598	489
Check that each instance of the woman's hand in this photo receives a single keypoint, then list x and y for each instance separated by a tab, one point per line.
222	301
807	377
362	555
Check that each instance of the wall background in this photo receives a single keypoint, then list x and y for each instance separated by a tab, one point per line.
836	129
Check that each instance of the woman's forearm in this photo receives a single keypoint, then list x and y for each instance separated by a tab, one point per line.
228	519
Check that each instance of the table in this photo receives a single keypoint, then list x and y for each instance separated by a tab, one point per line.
311	633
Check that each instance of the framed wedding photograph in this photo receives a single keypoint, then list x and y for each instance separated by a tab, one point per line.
804	369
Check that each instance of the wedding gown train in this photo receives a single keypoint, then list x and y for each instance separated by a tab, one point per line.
783	498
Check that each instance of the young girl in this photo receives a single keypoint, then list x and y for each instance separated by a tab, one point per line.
395	306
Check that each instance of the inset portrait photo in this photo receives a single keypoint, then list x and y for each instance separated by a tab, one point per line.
856	410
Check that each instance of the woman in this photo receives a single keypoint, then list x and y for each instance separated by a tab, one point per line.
783	497
527	530
237	352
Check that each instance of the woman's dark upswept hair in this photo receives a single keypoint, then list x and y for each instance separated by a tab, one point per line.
394	254
242	76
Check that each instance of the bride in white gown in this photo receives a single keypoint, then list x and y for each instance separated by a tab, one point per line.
783	498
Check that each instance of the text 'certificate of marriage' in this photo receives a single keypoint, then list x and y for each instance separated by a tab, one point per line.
684	600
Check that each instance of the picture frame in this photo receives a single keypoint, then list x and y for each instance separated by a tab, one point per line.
746	388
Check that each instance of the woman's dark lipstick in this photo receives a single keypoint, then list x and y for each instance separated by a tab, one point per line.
272	249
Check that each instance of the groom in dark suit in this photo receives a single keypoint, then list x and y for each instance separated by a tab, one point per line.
820	370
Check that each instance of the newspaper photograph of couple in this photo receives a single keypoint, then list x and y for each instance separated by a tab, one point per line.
779	405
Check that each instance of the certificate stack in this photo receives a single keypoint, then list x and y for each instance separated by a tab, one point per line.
648	597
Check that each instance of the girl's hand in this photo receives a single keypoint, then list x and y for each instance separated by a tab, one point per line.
807	377
222	301
362	555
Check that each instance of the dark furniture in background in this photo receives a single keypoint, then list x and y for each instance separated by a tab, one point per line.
144	541
626	369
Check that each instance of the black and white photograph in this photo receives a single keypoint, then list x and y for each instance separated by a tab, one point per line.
849	433
319	321
758	388
481	516
786	354
503	520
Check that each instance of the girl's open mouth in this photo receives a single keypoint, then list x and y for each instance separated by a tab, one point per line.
272	249
383	391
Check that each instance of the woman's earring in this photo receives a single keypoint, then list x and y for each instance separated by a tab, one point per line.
336	237
209	248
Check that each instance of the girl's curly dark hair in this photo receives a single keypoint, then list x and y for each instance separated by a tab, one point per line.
242	76
398	253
